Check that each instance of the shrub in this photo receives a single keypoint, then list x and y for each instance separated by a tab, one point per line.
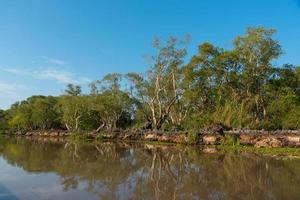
230	140
193	137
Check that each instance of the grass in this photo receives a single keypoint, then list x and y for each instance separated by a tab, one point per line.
231	143
230	140
193	137
76	136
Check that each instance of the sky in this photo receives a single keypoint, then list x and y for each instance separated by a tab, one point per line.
46	44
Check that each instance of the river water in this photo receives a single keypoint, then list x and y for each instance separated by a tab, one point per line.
36	169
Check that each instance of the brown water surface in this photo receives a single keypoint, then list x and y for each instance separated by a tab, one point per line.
37	169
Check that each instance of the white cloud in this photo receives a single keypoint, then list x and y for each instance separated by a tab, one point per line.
10	89
59	75
7	89
84	80
52	74
10	92
13	70
54	61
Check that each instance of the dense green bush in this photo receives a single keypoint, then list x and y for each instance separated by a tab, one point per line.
3	121
193	137
231	140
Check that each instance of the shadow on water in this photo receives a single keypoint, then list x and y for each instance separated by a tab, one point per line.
6	194
144	171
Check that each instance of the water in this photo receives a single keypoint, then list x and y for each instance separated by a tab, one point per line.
31	169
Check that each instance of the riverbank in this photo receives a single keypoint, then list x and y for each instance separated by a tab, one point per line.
255	138
223	148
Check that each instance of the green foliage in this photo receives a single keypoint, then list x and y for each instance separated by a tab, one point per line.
73	110
234	114
20	115
158	90
73	90
193	137
239	87
36	112
197	121
114	106
292	119
230	140
3	121
20	121
44	115
283	111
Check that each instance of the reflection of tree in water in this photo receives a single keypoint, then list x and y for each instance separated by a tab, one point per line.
103	166
123	171
163	176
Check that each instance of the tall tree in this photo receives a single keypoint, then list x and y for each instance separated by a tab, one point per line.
73	110
73	107
257	49
44	113
110	102
159	89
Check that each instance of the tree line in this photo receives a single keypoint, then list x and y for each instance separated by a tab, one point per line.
241	87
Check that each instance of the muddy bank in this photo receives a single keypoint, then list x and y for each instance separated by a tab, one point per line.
256	138
261	138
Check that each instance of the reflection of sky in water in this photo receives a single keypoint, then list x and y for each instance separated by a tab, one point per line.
49	170
15	183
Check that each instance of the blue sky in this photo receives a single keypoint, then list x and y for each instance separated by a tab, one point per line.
45	44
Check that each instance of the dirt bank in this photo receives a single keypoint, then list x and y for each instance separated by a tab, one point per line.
256	138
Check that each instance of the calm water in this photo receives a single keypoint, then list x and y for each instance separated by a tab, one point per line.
59	170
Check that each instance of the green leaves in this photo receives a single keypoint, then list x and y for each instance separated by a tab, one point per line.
234	85
239	87
73	110
112	106
73	90
36	112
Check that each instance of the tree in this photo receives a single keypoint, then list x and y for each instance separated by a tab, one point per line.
238	87
256	50
212	79
200	77
112	106
287	76
73	109
283	99
284	111
34	113
19	116
3	121
44	113
159	90
229	86
111	103
73	90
